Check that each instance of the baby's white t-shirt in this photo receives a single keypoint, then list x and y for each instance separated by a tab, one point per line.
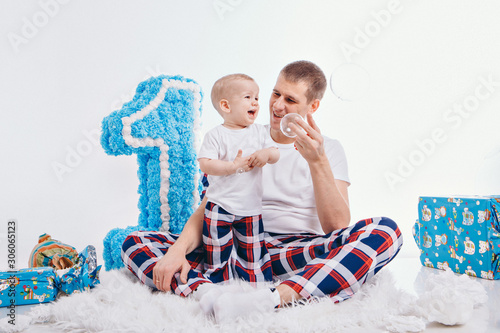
288	204
239	194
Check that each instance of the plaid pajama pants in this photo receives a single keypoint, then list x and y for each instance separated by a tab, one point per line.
234	247
334	265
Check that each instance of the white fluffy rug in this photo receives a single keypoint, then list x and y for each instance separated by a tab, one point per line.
121	304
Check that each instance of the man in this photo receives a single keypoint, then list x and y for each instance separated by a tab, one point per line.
306	218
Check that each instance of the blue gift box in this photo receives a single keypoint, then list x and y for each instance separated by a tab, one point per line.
461	233
27	286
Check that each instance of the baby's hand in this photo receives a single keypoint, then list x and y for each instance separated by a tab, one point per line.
263	156
241	163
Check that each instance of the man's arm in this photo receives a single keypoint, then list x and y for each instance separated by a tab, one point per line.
191	236
175	258
331	195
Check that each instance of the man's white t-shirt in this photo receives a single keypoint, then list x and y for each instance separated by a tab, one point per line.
288	204
239	194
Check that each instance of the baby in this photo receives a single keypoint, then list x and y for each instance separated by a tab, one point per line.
232	155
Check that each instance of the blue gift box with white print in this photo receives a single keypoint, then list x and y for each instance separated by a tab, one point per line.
27	286
461	233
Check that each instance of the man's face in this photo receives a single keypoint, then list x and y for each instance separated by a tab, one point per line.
287	97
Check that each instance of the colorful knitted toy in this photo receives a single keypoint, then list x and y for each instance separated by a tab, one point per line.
162	125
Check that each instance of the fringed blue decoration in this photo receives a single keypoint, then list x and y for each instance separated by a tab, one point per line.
162	126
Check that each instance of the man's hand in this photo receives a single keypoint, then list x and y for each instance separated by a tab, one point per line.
172	262
309	143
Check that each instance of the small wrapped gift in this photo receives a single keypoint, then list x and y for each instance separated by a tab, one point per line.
81	277
462	233
52	253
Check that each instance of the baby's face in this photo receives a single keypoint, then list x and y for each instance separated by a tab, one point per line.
244	104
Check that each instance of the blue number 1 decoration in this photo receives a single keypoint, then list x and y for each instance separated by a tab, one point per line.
162	125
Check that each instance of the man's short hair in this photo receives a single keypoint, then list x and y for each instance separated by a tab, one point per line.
308	72
220	87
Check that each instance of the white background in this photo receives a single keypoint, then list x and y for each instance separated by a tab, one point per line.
65	65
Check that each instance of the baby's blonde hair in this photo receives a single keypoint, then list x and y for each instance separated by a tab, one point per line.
220	87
